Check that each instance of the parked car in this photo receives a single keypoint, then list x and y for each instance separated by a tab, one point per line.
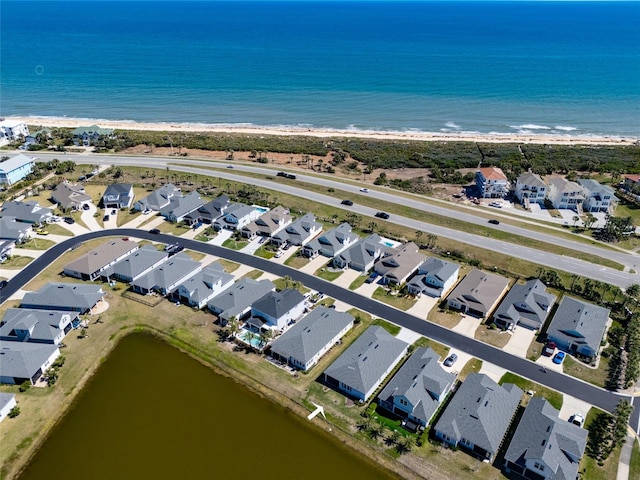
364	190
577	419
42	231
347	202
450	360
286	246
69	220
113	212
279	253
197	225
146	212
86	206
558	358
549	349
494	221
155	231
495	204
3	284
105	218
371	277
382	215
262	240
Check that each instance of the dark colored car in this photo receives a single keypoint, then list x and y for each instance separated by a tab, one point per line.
69	220
347	202
105	218
451	359
85	206
494	221
3	284
281	174
382	215
154	230
371	277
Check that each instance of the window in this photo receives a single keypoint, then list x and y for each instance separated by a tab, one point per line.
539	466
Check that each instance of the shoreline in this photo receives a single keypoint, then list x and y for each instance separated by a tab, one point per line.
534	138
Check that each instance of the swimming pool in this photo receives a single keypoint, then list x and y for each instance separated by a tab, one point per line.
261	209
251	338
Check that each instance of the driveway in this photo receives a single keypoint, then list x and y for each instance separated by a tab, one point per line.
347	278
223	236
547	362
494	372
367	289
113	218
423	306
25	252
467	326
137	221
192	233
316	263
253	245
408	336
519	342
571	405
463	358
88	218
287	254
76	228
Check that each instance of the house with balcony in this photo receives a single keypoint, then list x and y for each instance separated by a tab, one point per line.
210	211
491	182
236	216
598	197
530	188
37	326
331	243
527	305
70	196
398	264
27	212
92	265
268	224
87	136
565	195
12	131
478	293
118	195
479	415
299	232
15	169
158	199
197	290
435	277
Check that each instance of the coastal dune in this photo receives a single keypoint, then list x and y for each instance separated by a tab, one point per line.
539	138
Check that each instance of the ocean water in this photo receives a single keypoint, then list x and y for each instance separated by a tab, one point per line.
506	67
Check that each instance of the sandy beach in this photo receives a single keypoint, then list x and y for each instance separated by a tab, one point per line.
539	138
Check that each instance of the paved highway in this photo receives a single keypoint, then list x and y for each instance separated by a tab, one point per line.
593	395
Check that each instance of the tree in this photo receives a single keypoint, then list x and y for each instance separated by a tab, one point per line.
575	219
589	221
24	386
371	226
419	234
620	421
431	240
265	336
14	412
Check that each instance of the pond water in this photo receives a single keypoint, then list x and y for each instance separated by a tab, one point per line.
152	412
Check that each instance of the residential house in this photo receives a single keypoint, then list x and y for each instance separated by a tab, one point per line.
24	361
544	447
15	169
578	327
38	326
135	265
526	304
6	247
309	339
492	182
236	216
87	136
435	277
12	131
72	297
181	206
479	415
91	265
362	255
197	290
38	137
268	224
158	199
331	243
631	183
27	212
13	230
598	197
565	195
364	365
7	403
235	302
478	293
118	195
298	233
418	389
69	196
399	263
530	188
277	310
167	276
210	211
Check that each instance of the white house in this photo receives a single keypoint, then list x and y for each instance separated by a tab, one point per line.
598	197
565	195
492	182
12	131
7	403
435	277
530	188
278	309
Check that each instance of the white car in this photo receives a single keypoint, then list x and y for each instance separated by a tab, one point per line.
279	253
364	190
577	419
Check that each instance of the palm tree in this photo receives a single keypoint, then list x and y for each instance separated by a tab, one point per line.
372	226
265	336
233	326
419	234
363	424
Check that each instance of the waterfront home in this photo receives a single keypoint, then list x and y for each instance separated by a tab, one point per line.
13	230
37	326
92	264
7	403
363	366
235	302
268	224
118	195
491	182
478	293
72	297
418	389
210	211
309	339
27	212
278	309
180	206
479	415
526	304
236	216
12	131
157	199
24	361
565	195
362	255
578	327
69	196
197	290
167	276
598	197
41	136
136	264
435	277
331	243
530	188
543	446
87	136
299	232
15	169
398	264
631	183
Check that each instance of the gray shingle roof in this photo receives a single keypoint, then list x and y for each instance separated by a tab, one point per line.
530	302
240	296
364	252
168	273
579	322
301	230
479	290
64	296
333	241
276	304
480	411
202	285
310	335
179	206
270	222
234	213
531	179
136	263
420	380
402	262
159	198
120	193
101	256
5	398
30	212
362	364
24	359
210	211
541	435
69	195
11	229
44	325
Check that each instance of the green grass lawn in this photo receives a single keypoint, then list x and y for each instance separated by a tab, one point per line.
327	274
125	216
264	252
589	467
55	229
176	229
495	337
596	376
234	244
389	327
472	366
397	301
554	398
16	262
358	282
634	468
253	274
439	348
228	265
37	242
296	261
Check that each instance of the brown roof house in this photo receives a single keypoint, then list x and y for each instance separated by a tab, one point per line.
478	293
